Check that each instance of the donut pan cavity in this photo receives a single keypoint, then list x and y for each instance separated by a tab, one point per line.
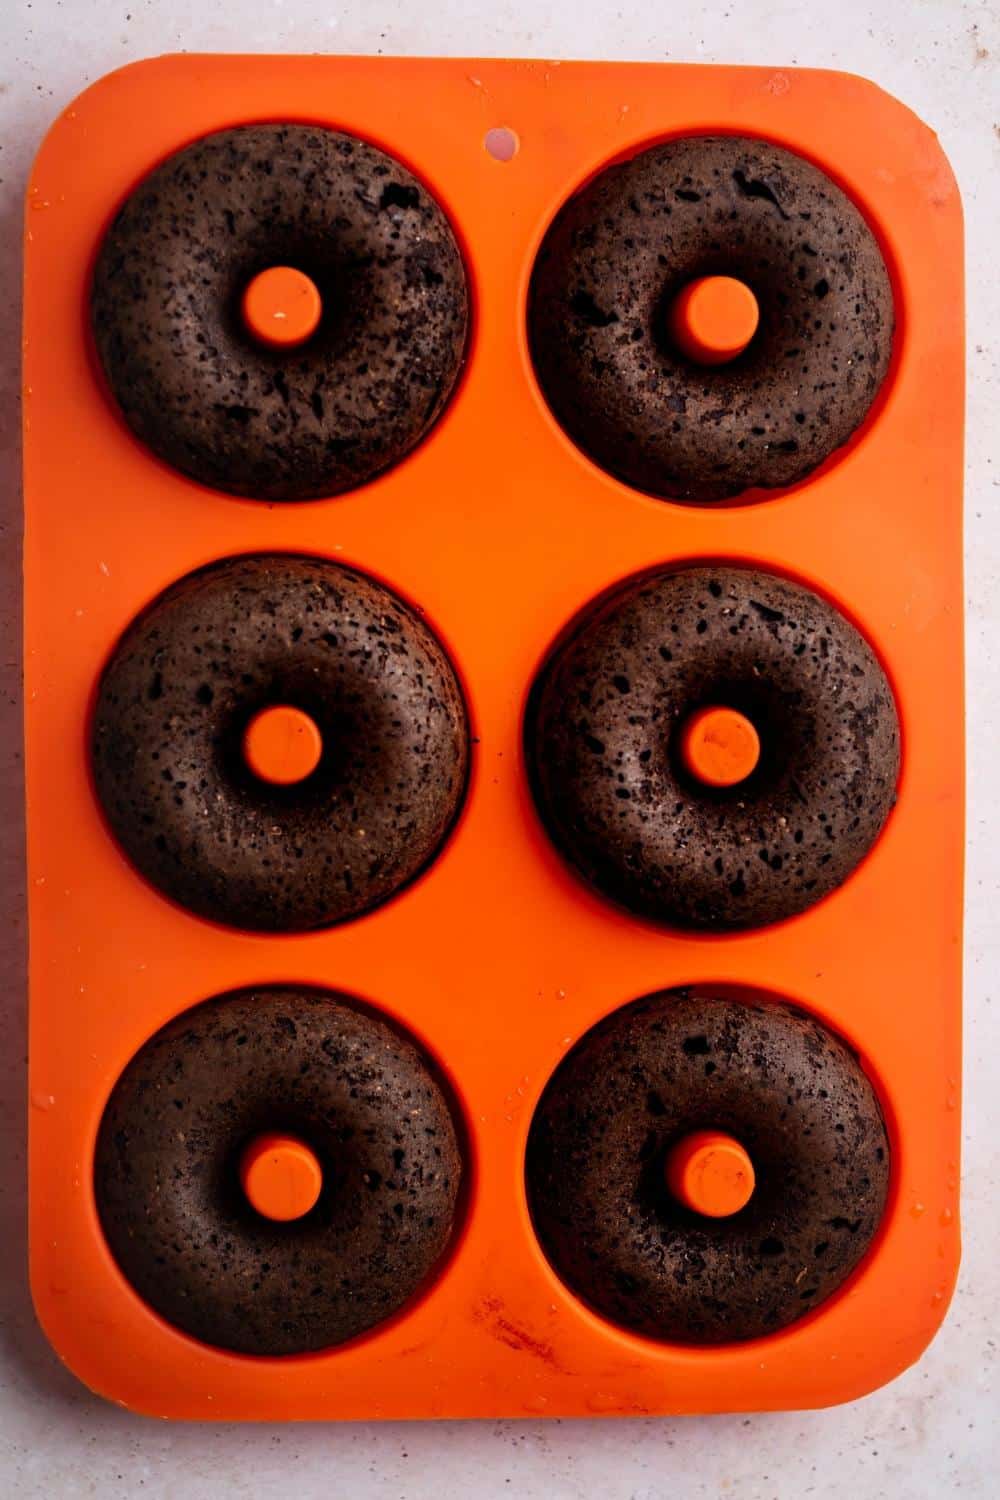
496	959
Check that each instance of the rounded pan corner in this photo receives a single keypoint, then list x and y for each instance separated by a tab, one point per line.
928	154
127	76
902	1351
101	1376
52	1330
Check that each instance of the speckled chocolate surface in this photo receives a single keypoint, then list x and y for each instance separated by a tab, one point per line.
172	707
645	1077
166	1171
621	249
191	381
602	742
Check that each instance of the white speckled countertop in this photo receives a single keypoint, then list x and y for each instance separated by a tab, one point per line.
934	1432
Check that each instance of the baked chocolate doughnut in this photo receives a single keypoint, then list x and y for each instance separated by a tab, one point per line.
211	657
291	423
605	734
621	251
358	1095
631	1092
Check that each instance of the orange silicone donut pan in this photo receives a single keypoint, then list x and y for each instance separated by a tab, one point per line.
497	959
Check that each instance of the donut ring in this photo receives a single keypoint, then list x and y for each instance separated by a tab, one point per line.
166	1171
230	412
173	706
620	251
612	701
647	1077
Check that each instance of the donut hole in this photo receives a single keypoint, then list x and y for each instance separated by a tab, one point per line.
281	307
282	745
222	1193
341	746
229	1192
776	716
713	319
779	312
345	755
337	285
715	1113
719	746
710	1173
281	1176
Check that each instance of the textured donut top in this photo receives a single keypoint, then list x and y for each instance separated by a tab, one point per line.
645	1077
358	1092
615	695
619	252
169	725
297	423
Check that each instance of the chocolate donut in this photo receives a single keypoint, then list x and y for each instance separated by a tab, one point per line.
201	665
608	274
355	1092
614	701
291	423
631	1092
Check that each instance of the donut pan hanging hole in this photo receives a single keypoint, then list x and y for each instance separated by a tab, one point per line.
496	959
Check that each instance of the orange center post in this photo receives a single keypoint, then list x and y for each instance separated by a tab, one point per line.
719	746
282	745
713	319
711	1174
282	307
281	1177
